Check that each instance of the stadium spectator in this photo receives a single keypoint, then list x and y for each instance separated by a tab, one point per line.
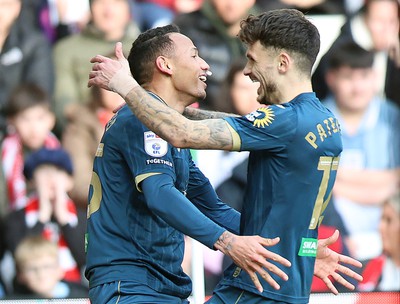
40	274
61	18
110	22
213	29
30	121
383	273
374	28
49	211
369	171
82	134
309	7
153	13
25	55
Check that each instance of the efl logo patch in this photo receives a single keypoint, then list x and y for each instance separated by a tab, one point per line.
154	145
261	118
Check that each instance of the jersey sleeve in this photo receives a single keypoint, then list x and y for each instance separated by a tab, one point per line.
268	128
203	196
146	153
179	213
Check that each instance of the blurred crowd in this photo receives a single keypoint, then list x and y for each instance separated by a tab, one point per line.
51	124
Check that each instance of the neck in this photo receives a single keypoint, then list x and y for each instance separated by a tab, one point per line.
292	90
115	35
168	96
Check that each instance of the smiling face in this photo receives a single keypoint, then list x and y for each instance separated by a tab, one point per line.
261	67
188	69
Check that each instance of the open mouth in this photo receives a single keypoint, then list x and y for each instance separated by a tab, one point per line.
203	78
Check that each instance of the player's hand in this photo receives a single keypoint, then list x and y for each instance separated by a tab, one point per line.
250	254
112	74
328	265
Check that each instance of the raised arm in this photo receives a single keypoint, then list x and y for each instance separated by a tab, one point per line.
114	75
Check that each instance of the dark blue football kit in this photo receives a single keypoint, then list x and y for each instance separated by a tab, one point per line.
144	196
294	154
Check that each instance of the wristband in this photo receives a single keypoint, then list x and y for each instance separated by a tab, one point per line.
121	83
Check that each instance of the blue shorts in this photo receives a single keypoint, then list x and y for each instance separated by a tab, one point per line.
124	292
224	294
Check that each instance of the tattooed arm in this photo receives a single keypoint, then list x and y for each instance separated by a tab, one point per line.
167	123
198	114
175	128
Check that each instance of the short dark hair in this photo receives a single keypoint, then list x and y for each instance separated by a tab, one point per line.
26	96
286	29
349	53
146	48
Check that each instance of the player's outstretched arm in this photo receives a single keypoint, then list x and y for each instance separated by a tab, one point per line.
250	254
114	75
329	264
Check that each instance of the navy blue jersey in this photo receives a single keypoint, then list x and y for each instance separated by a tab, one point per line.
134	236
294	156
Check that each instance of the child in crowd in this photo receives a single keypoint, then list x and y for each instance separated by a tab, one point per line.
39	273
30	121
49	211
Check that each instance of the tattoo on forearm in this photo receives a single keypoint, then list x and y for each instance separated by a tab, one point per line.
198	114
176	129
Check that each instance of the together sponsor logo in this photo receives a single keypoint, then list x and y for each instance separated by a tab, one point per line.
158	161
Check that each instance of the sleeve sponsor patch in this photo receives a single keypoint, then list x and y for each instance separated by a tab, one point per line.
154	145
261	118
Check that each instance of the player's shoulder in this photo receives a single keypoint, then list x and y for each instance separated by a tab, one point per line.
123	118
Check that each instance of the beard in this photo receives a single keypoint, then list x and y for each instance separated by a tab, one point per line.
266	91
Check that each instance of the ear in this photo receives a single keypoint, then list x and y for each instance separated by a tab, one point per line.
163	65
284	62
